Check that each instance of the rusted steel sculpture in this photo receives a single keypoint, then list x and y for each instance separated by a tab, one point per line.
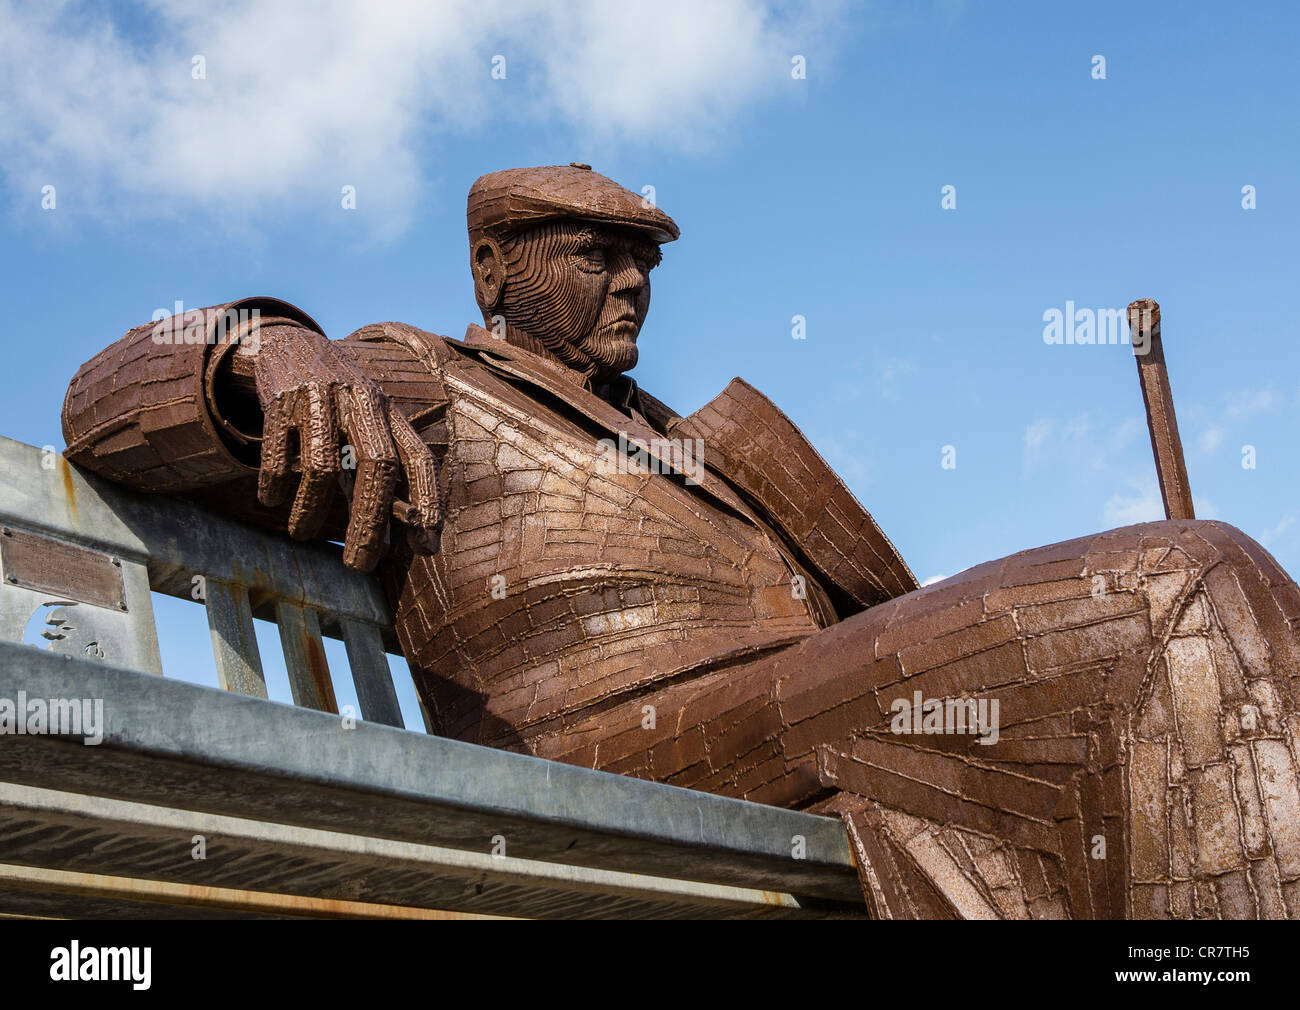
1101	728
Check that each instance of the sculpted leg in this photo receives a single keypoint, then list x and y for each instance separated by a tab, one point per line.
1145	761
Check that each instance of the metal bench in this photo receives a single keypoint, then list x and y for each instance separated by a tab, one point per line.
203	802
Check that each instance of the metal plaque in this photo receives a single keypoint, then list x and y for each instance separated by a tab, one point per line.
61	569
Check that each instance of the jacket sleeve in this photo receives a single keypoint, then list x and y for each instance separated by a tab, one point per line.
161	411
139	411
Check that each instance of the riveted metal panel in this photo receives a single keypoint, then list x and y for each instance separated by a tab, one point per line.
52	566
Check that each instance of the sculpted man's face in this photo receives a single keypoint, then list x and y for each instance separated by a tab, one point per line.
582	291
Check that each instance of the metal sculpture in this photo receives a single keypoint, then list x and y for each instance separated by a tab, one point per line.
1106	727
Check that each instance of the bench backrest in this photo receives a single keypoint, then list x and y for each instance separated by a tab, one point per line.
88	553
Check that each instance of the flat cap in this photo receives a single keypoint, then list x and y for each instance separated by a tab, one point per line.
523	197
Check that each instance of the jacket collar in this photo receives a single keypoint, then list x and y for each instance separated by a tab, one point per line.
621	393
628	426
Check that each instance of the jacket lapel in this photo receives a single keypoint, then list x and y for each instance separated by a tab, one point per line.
669	453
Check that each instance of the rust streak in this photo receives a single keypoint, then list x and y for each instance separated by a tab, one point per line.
69	492
320	673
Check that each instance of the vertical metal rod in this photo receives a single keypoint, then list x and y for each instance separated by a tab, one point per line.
1166	446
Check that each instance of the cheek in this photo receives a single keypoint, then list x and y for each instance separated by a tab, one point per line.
578	300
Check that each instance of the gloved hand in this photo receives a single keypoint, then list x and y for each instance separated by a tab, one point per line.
321	411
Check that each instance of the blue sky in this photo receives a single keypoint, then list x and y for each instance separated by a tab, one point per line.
818	197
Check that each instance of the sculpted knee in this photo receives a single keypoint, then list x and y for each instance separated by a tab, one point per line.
1193	578
1241	601
1210	750
1145	720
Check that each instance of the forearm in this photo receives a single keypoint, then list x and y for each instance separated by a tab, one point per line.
172	406
139	411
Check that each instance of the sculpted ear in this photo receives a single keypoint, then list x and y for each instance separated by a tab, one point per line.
489	273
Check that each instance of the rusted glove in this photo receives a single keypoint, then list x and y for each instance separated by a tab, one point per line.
319	410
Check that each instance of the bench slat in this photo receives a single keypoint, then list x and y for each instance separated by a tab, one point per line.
234	643
370	673
304	657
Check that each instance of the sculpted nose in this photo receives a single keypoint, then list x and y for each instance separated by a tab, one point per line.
625	273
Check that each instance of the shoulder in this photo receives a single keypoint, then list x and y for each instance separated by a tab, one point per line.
429	347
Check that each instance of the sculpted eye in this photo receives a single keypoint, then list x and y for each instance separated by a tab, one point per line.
591	257
647	257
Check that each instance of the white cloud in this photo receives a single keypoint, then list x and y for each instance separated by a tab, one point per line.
932	580
1083	443
1238	406
1210	439
300	99
1204	508
1143	504
1272	536
848	451
1037	434
889	375
1248	402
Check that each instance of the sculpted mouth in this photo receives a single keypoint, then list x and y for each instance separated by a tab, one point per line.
623	326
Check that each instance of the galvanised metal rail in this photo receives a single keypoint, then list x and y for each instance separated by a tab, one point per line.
203	802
